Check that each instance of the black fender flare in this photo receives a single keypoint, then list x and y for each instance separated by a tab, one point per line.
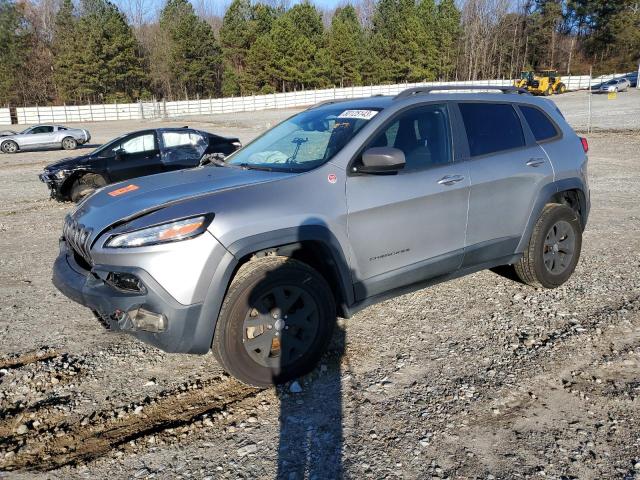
240	249
545	195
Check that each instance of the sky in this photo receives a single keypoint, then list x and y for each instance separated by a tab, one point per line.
151	8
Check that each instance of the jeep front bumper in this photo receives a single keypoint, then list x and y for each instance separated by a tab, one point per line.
185	329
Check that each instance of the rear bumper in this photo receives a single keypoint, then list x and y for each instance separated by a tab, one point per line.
188	331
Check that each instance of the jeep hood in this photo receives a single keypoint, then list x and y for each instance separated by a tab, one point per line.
125	200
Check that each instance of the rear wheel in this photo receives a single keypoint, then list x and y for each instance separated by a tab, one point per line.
276	321
69	143
9	146
554	248
86	185
562	88
548	91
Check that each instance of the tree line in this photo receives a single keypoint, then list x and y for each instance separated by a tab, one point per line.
79	51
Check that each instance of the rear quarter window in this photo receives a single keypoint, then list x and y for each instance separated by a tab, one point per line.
539	123
491	127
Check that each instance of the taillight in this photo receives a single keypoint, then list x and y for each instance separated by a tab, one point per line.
585	144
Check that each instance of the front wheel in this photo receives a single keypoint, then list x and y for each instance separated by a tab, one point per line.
554	248
9	146
69	143
276	321
85	185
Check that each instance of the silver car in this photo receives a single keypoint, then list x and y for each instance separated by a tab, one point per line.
44	136
341	206
615	85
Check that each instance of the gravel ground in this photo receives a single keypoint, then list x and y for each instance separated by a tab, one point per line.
480	377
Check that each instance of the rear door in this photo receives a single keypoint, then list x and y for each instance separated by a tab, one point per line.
138	156
410	226
181	149
507	169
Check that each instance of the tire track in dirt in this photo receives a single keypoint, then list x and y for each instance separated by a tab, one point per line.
96	435
17	361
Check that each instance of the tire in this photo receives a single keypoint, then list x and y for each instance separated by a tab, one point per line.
562	88
554	248
9	146
238	340
69	143
548	91
85	185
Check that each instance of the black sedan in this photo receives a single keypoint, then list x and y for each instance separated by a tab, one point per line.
133	155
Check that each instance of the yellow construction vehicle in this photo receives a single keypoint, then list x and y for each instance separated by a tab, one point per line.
547	82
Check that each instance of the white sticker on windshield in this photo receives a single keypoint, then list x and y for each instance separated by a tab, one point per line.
362	114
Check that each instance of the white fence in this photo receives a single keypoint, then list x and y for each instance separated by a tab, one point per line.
162	109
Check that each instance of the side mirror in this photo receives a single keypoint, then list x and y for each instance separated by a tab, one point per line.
382	160
119	153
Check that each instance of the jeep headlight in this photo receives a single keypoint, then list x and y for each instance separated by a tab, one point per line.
164	233
60	174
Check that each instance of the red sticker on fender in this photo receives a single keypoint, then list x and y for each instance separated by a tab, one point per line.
332	178
123	190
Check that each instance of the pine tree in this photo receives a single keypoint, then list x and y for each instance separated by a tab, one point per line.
194	56
97	56
242	24
13	39
395	42
447	33
426	11
236	39
345	42
65	47
297	38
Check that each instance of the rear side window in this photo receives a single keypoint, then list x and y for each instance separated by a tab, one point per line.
539	123
491	127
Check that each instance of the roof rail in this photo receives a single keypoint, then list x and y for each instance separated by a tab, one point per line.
420	90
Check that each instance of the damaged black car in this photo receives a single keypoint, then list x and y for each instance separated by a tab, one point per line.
145	152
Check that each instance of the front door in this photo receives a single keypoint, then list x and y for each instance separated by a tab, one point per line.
42	135
409	227
135	156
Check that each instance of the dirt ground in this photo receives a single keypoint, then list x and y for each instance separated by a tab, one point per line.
480	377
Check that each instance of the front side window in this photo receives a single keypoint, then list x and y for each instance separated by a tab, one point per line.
491	127
42	129
139	144
422	133
304	141
539	123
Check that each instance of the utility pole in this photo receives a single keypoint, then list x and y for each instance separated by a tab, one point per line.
589	93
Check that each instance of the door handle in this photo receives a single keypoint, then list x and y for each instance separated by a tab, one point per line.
535	162
450	179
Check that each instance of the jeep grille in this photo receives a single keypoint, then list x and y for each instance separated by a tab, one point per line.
78	237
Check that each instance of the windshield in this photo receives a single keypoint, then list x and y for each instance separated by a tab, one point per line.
304	141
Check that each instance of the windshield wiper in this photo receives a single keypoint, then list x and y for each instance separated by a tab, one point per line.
247	166
213	159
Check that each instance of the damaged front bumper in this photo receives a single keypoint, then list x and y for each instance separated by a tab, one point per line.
150	313
54	185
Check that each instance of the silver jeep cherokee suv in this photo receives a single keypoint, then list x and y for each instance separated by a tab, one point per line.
338	207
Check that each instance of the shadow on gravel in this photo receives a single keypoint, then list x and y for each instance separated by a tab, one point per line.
311	439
